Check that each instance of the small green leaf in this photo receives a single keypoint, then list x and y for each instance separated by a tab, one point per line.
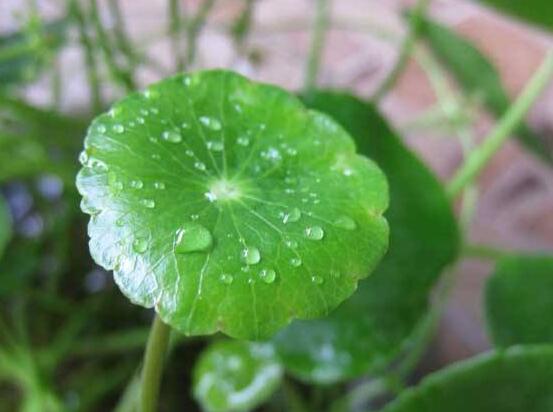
24	53
236	376
477	76
538	12
519	300
367	331
519	379
221	202
5	225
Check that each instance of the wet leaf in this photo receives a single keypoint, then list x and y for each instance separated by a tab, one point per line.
519	300
226	205
367	331
236	376
515	380
477	76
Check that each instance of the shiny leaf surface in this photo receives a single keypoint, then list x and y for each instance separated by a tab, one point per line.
227	205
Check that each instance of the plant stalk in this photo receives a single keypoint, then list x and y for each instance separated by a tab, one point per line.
480	157
153	365
320	26
405	51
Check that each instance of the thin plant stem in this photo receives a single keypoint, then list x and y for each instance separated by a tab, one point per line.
90	61
480	157
194	27
119	74
405	50
153	365
320	26
175	27
121	37
484	252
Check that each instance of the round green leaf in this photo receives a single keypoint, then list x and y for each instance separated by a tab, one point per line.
236	376
227	205
519	300
368	330
519	379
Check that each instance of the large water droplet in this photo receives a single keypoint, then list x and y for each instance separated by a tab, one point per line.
172	136
193	237
292	216
251	255
267	275
345	222
314	232
101	128
149	203
140	245
210	123
226	278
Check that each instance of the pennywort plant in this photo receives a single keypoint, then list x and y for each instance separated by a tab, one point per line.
291	251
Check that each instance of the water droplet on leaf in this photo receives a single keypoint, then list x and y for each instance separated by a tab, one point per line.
140	245
345	222
226	278
267	275
118	128
317	280
172	136
193	237
149	203
292	216
296	262
251	255
314	232
210	122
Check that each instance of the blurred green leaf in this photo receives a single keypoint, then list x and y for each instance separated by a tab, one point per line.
519	379
538	12
35	140
5	225
370	329
24	53
207	202
477	76
21	260
235	376
519	300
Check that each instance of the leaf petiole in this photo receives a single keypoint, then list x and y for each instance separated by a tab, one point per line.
153	365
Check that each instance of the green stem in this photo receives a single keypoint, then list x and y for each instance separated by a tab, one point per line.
193	29
320	25
479	158
90	61
119	74
484	252
405	50
153	365
175	27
